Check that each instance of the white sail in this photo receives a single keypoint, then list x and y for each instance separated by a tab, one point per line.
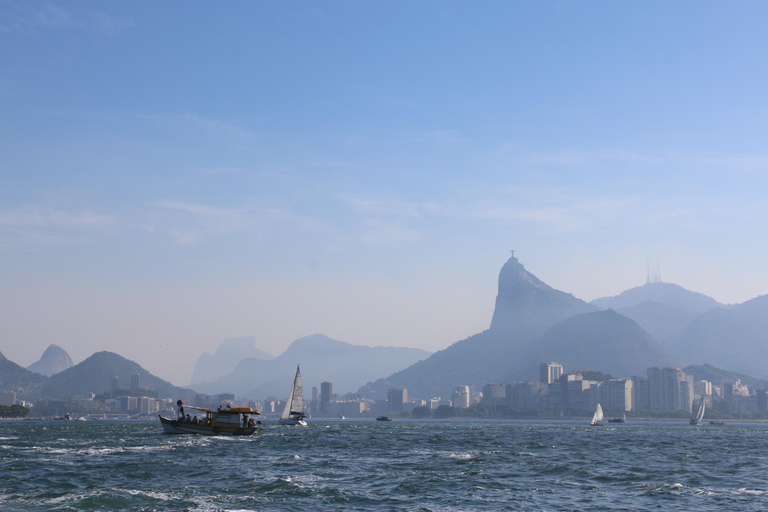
294	406
598	417
700	414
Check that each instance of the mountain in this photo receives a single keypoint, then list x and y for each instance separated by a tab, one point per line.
210	367
605	341
54	360
735	338
94	376
322	359
663	293
525	308
662	321
17	378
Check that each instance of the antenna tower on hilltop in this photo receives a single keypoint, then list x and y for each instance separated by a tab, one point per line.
654	277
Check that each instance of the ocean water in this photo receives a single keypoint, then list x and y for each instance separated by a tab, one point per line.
399	466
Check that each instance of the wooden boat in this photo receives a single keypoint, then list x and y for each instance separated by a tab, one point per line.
224	421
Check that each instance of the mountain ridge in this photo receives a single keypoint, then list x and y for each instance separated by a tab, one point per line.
347	366
94	375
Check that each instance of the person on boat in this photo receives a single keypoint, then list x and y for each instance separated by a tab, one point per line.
181	413
251	423
245	420
189	418
194	420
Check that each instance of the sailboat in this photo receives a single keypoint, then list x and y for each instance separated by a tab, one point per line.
618	420
293	414
699	414
598	416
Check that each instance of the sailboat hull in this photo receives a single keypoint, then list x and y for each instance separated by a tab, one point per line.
292	421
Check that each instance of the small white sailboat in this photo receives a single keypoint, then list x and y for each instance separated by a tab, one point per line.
699	414
598	416
293	414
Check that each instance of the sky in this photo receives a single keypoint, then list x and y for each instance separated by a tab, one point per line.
173	174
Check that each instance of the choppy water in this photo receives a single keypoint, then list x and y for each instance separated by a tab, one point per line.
402	465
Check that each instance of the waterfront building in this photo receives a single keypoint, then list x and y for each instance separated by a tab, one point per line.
326	393
396	398
641	390
670	389
524	396
760	400
494	394
460	397
550	372
577	397
616	395
8	398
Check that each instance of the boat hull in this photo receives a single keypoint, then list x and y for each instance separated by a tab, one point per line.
292	421
181	427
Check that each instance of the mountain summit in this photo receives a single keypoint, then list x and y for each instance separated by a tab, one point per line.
527	305
54	360
233	350
525	308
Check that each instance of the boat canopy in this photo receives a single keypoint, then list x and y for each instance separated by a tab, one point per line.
230	410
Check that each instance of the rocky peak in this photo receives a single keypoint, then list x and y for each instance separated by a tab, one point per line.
526	302
54	360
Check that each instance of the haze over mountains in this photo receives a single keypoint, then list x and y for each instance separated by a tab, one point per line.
92	375
210	367
657	324
323	359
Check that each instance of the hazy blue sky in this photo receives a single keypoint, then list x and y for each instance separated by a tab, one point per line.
173	174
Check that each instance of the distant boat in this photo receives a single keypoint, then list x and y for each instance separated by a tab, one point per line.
384	418
618	420
716	422
699	415
293	414
597	417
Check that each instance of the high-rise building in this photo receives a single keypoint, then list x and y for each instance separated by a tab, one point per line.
326	392
460	397
494	394
396	398
616	395
114	384
670	389
134	381
641	391
8	398
550	372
